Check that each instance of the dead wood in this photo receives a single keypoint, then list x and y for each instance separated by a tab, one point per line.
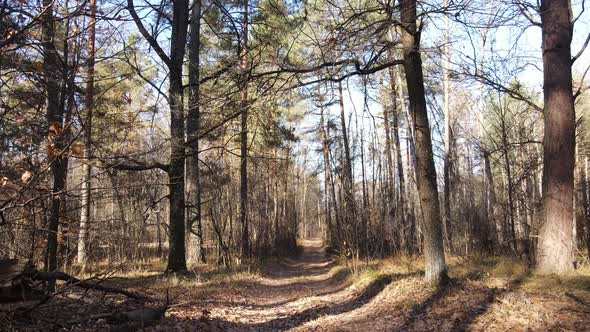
71	280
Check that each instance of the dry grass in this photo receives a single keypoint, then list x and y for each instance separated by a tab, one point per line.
314	293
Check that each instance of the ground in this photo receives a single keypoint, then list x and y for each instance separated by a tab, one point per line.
314	293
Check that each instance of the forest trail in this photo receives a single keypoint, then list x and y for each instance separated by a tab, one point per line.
313	293
287	294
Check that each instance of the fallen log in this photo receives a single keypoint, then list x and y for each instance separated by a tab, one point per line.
17	278
71	280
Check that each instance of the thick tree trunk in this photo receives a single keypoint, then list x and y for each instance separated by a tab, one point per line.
177	253
196	249
556	243
86	168
244	139
435	266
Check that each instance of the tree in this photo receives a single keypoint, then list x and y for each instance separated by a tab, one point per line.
244	135
556	241
174	63
86	167
435	266
196	249
55	133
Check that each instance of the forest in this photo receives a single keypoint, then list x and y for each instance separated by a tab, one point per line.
301	165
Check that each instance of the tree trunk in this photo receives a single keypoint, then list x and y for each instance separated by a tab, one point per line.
398	151
447	151
244	139
196	249
490	193
388	148
327	170
55	158
556	243
509	181
350	225
86	168
177	253
435	266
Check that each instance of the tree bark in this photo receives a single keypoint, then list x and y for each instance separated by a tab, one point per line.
509	180
347	183
86	167
396	142
327	170
556	242
177	249
388	147
244	138
55	113
448	138
196	249
435	266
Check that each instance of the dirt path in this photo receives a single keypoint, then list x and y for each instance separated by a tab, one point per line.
286	295
311	293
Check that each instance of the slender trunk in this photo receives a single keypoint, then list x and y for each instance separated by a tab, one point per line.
490	191
347	181
347	159
396	142
435	266
86	168
447	152
388	150
177	253
327	171
196	249
55	143
509	183
244	139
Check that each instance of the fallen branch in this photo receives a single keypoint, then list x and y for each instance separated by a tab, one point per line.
71	280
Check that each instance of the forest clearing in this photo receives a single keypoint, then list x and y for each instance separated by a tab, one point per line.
274	165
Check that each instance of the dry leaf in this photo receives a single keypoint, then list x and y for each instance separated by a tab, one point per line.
77	150
26	177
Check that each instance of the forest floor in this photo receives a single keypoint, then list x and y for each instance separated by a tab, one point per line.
314	293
